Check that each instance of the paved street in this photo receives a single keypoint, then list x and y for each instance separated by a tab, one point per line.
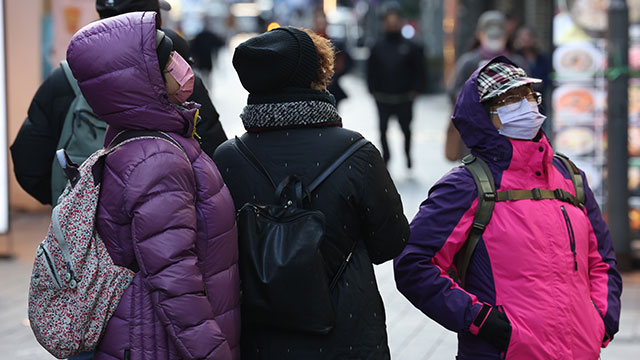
411	334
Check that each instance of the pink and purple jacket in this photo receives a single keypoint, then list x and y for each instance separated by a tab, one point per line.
561	304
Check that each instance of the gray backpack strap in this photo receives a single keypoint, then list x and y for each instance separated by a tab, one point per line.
574	173
486	201
69	75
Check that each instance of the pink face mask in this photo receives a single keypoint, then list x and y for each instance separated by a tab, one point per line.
180	70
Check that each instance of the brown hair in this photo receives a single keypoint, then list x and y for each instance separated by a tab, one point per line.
326	56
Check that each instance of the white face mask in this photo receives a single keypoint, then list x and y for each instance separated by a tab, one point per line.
493	45
520	120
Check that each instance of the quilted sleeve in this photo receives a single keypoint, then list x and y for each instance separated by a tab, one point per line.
385	225
159	197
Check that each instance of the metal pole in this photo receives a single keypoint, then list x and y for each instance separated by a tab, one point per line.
617	127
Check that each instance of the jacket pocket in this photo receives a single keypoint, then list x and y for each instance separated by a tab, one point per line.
605	336
572	236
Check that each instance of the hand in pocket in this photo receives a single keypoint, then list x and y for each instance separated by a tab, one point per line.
496	330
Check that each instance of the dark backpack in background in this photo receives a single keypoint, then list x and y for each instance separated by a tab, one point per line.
284	281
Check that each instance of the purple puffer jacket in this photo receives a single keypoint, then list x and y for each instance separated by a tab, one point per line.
169	219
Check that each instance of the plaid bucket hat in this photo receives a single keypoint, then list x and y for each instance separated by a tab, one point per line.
499	77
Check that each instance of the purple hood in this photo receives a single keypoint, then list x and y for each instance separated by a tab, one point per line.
124	85
475	127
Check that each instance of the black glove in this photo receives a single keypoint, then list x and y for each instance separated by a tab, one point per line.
496	330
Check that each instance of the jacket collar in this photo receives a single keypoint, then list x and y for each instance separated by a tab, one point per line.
531	156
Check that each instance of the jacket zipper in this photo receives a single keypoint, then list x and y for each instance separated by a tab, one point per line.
572	238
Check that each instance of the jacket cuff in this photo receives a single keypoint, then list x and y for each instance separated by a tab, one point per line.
480	319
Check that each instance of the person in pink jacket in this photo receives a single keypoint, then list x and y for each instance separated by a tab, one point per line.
542	281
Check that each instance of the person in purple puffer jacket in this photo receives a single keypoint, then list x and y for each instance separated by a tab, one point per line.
164	210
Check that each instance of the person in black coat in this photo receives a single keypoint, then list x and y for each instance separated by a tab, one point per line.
293	128
34	148
396	74
206	46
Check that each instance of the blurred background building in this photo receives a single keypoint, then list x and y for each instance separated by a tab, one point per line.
567	33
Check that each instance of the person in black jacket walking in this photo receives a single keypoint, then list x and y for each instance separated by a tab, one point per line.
34	148
293	128
396	74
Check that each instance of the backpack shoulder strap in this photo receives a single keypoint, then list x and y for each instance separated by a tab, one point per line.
574	173
69	75
128	135
244	150
331	168
248	155
486	201
319	180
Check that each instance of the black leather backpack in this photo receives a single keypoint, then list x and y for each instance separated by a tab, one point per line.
284	281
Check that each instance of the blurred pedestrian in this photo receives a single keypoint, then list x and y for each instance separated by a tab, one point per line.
538	62
396	74
163	204
53	118
522	231
293	128
206	46
513	22
491	41
343	60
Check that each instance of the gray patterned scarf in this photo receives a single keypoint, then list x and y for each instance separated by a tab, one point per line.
271	116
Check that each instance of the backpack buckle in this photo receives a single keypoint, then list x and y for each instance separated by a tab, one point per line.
560	195
537	194
468	159
489	196
478	227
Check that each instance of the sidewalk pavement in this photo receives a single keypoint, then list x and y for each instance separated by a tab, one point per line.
412	336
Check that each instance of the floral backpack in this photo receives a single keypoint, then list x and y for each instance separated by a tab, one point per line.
75	286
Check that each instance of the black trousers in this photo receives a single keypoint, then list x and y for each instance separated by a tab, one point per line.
404	114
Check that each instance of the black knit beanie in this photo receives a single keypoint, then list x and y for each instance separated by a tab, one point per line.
164	47
283	57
